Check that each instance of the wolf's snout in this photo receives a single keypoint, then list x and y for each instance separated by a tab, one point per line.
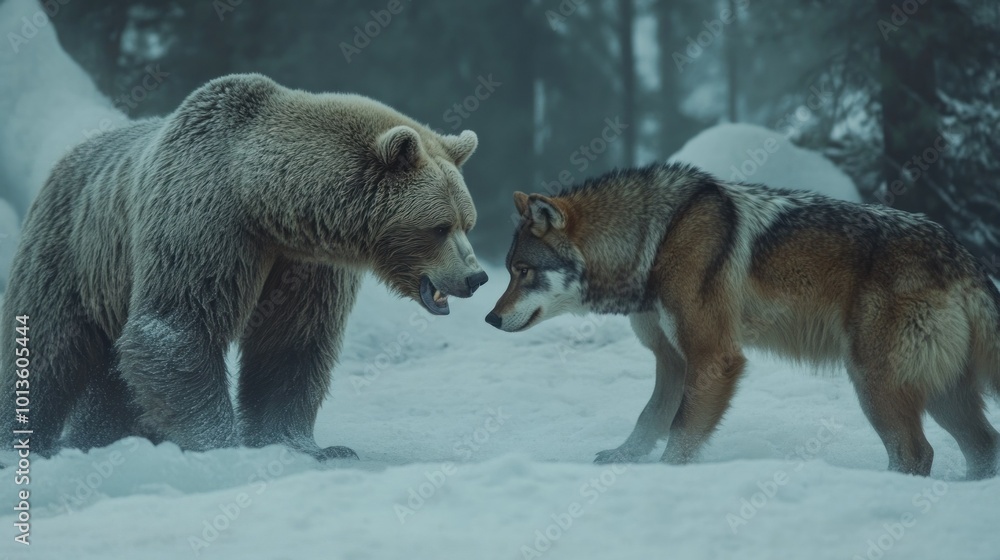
474	281
494	319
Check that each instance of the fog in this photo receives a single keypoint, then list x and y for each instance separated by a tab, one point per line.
901	96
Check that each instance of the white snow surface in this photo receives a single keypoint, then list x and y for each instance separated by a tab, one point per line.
795	459
477	444
749	153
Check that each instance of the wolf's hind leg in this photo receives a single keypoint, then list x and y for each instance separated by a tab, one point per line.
895	411
960	411
655	419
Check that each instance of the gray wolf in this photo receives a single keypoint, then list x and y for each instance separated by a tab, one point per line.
705	268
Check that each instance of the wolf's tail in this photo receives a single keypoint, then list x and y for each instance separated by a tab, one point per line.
989	347
48	104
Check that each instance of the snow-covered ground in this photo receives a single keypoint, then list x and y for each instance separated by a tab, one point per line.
477	444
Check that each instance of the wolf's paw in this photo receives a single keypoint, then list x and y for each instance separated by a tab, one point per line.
333	452
617	455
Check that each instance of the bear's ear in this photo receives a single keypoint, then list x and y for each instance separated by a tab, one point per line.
461	147
400	147
544	214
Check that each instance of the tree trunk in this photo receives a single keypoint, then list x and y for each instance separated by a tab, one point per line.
91	35
675	20
732	43
911	165
626	15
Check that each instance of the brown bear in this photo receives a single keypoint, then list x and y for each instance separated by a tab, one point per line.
151	247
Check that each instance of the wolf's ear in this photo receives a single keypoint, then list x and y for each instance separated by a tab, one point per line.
461	147
545	214
521	203
399	147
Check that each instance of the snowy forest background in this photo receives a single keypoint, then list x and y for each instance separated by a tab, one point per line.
479	444
902	95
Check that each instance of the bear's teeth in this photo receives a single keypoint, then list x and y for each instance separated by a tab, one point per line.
439	297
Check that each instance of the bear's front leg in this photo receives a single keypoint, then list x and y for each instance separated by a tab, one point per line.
177	371
288	350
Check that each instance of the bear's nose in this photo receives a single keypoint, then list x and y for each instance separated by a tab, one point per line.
473	282
494	319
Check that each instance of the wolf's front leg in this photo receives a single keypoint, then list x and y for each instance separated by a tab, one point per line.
708	388
288	351
655	419
177	371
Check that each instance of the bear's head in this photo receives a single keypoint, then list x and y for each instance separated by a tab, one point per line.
346	180
422	247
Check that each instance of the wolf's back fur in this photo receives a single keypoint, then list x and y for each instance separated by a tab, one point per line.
894	297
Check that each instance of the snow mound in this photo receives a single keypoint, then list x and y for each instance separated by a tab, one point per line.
48	104
749	153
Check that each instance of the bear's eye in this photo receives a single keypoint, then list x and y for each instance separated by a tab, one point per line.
442	229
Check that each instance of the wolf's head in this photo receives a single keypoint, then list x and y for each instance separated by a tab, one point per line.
546	267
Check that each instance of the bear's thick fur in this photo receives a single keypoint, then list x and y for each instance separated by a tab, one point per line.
249	214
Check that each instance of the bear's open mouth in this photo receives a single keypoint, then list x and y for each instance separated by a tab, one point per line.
433	299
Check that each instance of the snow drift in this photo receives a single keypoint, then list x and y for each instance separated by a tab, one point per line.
753	154
48	104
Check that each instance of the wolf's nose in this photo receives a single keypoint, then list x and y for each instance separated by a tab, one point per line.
494	319
473	282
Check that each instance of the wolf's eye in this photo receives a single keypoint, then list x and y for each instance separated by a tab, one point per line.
523	272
